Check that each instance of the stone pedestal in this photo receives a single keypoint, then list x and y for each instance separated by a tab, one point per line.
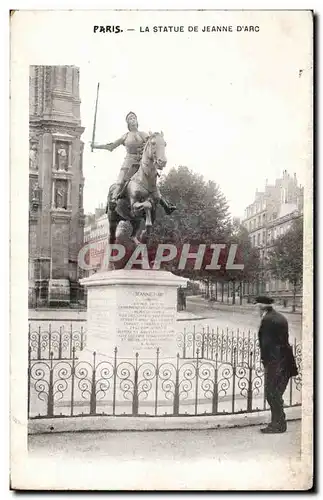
132	310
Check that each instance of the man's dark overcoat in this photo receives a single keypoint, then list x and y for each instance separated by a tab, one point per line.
275	349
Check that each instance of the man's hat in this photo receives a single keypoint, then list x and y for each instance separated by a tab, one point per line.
262	299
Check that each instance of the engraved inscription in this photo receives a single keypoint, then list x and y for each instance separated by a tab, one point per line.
146	319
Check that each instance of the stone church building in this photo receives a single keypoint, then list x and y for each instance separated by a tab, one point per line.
56	216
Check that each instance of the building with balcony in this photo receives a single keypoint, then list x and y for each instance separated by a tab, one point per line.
270	215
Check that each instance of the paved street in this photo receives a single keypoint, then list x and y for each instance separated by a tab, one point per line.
243	317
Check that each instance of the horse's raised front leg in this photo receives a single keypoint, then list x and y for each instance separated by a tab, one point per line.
135	223
149	221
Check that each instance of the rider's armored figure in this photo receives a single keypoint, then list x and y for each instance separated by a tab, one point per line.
134	142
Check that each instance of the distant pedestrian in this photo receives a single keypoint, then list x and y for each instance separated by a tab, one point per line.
184	299
278	360
181	299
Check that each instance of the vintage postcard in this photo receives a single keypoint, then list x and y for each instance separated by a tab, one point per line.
161	250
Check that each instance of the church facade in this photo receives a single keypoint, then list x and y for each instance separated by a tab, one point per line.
56	215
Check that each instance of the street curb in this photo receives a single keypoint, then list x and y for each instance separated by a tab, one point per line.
120	423
198	318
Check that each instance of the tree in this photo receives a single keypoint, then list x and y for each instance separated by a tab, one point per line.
202	213
285	260
202	216
247	255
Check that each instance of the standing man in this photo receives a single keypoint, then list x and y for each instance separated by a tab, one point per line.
278	360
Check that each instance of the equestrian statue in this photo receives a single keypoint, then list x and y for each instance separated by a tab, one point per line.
135	195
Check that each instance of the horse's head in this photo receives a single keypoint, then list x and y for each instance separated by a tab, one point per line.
155	149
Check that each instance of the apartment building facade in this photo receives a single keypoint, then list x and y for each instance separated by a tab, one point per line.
271	215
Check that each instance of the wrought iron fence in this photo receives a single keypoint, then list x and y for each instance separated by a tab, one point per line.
57	342
154	387
222	344
213	344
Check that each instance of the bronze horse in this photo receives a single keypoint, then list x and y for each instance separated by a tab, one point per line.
141	194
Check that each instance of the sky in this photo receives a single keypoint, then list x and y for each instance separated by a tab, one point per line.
234	107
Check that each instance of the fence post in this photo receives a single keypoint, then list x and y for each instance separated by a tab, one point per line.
203	337
233	380
93	387
60	343
249	395
176	390
215	397
217	343
156	387
82	338
71	340
184	344
227	346
49	338
207	341
135	390
114	381
194	333
249	348
72	381
50	402
39	343
196	380
243	346
29	377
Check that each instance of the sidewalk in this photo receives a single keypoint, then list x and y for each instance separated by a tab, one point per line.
213	455
237	443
